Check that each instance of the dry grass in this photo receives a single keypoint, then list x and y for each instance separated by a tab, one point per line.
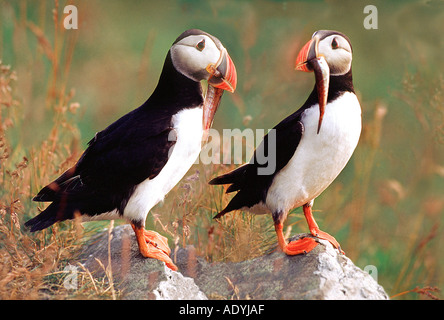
31	265
386	208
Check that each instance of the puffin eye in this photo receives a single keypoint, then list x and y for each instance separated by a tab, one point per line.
334	44
201	45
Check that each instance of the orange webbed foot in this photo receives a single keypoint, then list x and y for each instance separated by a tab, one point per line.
304	245
157	240
153	245
315	231
300	246
325	236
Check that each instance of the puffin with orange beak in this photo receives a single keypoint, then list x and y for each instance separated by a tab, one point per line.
308	149
132	164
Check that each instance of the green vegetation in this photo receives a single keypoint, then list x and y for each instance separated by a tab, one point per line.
58	87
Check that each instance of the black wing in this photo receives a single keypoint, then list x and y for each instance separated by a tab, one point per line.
252	180
130	150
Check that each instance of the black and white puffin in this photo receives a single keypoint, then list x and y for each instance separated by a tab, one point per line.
131	165
311	146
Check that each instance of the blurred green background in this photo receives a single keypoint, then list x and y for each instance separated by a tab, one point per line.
386	208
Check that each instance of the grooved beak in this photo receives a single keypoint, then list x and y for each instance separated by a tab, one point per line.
223	76
309	60
303	57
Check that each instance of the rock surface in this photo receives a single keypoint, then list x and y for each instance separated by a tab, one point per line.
321	274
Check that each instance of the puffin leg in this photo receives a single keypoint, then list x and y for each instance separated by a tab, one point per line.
153	245
299	246
314	229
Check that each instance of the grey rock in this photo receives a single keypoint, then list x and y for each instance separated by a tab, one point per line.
323	273
136	277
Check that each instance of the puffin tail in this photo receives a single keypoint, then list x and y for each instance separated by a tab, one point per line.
235	178
221	214
52	214
238	202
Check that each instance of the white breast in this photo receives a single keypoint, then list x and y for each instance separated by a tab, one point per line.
188	126
319	158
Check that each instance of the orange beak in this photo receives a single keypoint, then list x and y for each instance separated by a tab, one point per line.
303	57
309	60
223	74
223	77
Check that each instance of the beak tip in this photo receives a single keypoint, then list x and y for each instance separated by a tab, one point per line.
301	60
301	66
228	79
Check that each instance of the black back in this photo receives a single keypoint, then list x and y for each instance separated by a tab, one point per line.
130	150
252	187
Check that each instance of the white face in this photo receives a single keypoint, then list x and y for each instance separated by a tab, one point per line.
337	53
193	54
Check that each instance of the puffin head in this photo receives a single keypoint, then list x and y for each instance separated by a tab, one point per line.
334	46
201	56
327	53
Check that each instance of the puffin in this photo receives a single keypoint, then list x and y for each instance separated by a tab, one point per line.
132	164
309	148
